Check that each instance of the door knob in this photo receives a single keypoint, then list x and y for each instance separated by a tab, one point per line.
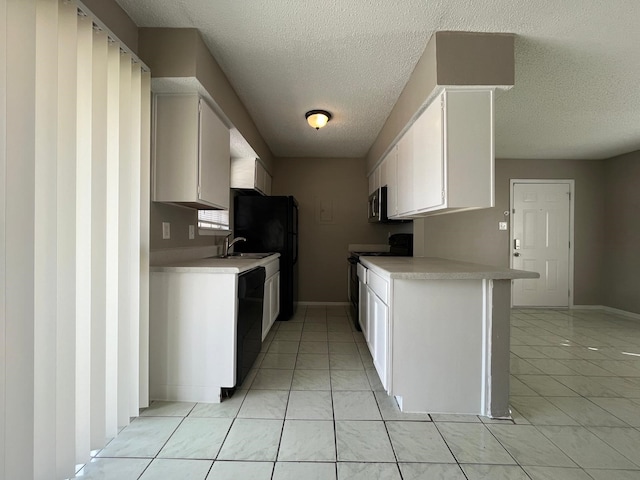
517	254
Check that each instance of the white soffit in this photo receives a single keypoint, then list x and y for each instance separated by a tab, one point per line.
577	67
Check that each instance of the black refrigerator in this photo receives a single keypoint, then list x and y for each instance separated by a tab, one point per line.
270	224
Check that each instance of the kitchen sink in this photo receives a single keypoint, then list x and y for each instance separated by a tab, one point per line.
247	255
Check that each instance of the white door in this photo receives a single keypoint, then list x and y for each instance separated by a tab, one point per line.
540	243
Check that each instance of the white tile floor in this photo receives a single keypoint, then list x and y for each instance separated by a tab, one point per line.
313	409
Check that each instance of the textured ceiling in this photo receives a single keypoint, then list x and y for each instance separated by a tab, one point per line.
577	67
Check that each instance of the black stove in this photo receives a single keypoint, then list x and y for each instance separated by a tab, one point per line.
400	245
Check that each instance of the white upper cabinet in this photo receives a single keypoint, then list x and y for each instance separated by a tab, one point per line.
374	180
249	174
191	153
405	174
445	160
428	159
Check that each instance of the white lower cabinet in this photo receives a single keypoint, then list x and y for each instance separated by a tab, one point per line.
271	307
378	313
192	335
362	299
375	317
439	345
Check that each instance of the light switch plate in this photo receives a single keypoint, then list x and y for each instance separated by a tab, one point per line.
166	230
502	225
192	232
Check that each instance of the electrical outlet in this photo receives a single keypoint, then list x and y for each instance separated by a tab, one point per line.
166	230
502	225
192	232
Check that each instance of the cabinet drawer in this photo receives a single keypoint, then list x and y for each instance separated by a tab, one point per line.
272	268
379	285
362	273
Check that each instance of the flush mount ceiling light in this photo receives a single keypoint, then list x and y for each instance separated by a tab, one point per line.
317	118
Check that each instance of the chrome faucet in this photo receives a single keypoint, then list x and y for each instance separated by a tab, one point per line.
227	245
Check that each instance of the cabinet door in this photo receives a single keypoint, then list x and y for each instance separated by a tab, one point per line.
271	307
275	298
370	320
428	166
405	173
380	352
175	171
214	159
469	152
267	183
389	168
362	307
374	180
259	180
266	307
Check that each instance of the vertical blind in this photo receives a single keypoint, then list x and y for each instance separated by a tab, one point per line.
74	237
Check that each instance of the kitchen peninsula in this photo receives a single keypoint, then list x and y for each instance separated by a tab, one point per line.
438	331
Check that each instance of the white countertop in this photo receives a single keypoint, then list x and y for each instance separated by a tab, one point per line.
214	265
431	268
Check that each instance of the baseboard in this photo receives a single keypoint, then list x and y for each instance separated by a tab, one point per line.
617	311
327	304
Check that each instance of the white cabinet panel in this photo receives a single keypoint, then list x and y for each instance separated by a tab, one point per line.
377	334
274	302
374	180
379	285
214	159
380	352
362	298
267	183
250	174
374	320
428	158
191	153
469	135
271	307
445	160
405	173
196	363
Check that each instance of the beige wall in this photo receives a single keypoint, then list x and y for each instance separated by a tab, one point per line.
338	184
474	236
180	218
169	52
117	20
622	233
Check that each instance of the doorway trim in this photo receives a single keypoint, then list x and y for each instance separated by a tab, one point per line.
572	186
